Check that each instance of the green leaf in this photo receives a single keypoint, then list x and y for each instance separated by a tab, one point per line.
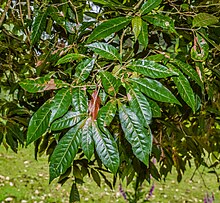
139	105
204	19
87	142
106	114
38	26
83	69
60	103
64	152
143	36
184	88
69	58
79	100
39	122
151	69
155	109
138	136
110	83
106	148
74	194
108	27
14	130
210	41
149	5
105	50
136	26
162	21
188	70
96	177
155	90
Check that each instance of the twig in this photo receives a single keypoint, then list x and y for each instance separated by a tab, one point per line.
121	42
204	6
29	9
74	8
5	11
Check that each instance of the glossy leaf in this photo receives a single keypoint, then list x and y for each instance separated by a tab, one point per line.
204	19
149	5
110	83
105	50
138	136
94	105
74	194
151	69
106	148
139	105
155	109
39	122
79	100
87	142
108	27
143	36
155	90
60	103
136	26
64	152
184	88
69	58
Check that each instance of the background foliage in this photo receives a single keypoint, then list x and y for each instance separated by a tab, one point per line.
112	86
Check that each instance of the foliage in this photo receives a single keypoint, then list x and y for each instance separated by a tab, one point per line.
109	85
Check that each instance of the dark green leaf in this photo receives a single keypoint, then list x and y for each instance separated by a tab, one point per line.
143	36
108	27
69	58
79	100
155	109
96	177
136	26
149	5
15	131
204	19
74	194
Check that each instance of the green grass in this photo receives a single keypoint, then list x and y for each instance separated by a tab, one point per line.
22	179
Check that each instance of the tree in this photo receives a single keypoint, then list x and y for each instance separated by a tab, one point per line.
105	86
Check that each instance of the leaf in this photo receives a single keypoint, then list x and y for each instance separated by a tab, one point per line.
162	21
136	26
210	41
139	105
155	109
87	142
143	36
110	83
83	69
74	194
14	130
68	120
39	122
106	114
106	148
69	58
184	88
138	136
204	19
94	105
79	100
149	5
155	90
151	69
60	103
96	177
108	27
38	26
105	50
64	152
188	70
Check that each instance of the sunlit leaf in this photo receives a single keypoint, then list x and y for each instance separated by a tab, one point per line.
136	26
143	36
69	58
204	19
149	5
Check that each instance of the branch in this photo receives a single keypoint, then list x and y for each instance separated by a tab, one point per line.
5	11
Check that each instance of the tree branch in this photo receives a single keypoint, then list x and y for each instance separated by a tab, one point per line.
5	11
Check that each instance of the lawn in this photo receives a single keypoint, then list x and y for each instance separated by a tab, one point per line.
23	179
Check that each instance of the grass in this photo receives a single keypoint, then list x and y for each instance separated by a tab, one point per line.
22	179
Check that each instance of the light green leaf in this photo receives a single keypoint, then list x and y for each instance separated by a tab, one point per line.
106	148
60	103
110	83
105	50
143	36
87	142
108	27
64	152
138	136
83	69
136	26
188	70
149	5
151	69
39	122
38	26
155	109
184	88
69	58
139	105
204	19
79	100
155	90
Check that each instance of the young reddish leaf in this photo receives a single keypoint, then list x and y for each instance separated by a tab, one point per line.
94	105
